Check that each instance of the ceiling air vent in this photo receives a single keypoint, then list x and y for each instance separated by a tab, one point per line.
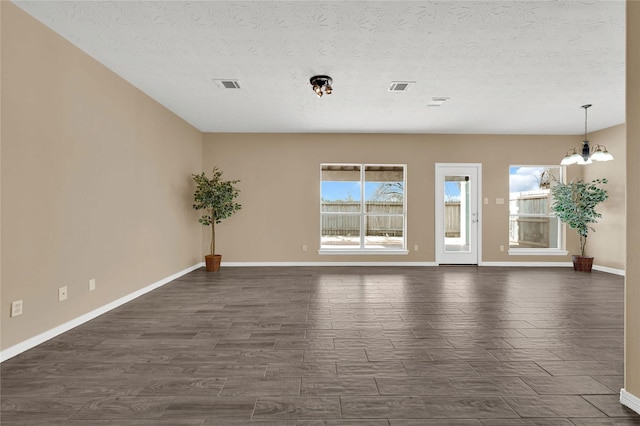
227	83
400	86
437	101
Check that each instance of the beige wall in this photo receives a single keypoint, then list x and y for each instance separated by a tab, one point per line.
607	244
274	168
95	182
632	280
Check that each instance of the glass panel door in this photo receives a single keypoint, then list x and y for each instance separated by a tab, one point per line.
457	213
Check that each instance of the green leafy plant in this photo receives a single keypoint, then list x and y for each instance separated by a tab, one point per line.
574	203
217	197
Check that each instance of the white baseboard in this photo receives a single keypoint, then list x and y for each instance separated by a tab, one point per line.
530	264
629	400
499	264
56	331
609	270
507	264
554	264
251	264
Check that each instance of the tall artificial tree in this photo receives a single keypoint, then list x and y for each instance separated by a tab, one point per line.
574	203
217	197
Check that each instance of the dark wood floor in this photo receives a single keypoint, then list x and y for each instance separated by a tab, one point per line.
338	346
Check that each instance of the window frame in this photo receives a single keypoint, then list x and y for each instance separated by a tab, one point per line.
363	214
533	251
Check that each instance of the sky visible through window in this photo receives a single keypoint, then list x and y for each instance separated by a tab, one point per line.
525	178
341	191
452	191
521	179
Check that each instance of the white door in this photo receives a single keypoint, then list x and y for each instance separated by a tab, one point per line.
458	213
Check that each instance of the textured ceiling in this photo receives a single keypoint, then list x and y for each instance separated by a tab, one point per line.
521	67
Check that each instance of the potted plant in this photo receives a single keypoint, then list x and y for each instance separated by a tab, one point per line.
574	203
217	197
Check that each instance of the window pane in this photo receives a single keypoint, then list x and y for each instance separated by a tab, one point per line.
537	203
340	206
340	231
384	184
384	195
384	225
384	231
532	223
341	185
531	183
362	210
384	219
532	178
456	213
533	232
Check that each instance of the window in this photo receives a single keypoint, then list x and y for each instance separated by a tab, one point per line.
362	208
533	227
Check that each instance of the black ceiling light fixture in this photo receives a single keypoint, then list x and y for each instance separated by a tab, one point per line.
321	84
585	155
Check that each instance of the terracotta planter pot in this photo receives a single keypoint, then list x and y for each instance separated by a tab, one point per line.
213	262
583	264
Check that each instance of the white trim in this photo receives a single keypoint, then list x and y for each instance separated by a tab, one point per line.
608	270
361	251
475	255
56	331
629	400
252	264
499	264
553	264
561	239
537	252
349	263
529	264
362	214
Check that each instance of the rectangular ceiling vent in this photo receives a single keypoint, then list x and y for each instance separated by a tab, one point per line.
400	86
437	101
227	83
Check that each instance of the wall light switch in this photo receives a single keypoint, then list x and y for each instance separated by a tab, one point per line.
92	284
486	201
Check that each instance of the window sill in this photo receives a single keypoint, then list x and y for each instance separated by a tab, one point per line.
537	252
362	251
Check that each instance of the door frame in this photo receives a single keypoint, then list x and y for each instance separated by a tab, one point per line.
439	211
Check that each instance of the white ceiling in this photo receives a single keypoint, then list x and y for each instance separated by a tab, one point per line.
508	67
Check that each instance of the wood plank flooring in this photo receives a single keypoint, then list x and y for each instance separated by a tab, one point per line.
392	346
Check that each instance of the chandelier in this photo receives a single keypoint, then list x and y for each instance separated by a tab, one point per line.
586	155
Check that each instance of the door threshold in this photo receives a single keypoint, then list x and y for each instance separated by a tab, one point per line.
457	264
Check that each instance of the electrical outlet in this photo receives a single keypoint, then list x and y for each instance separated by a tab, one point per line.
501	248
62	293
304	247
16	308
92	284
415	247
